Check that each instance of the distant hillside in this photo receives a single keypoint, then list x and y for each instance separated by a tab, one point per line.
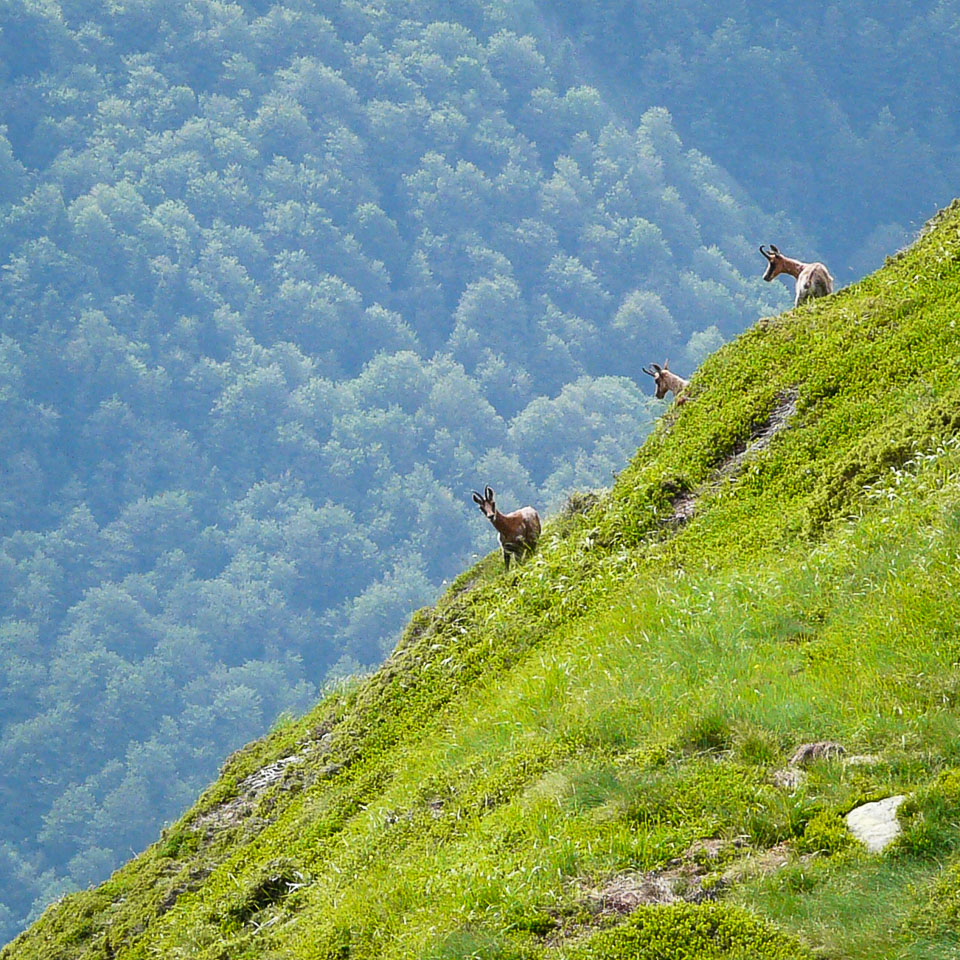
590	757
835	114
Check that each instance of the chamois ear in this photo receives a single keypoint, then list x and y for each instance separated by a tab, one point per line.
477	499
775	249
488	493
666	364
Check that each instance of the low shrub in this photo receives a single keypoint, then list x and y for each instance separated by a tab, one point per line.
707	931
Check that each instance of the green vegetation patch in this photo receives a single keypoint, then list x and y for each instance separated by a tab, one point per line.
825	833
937	914
708	931
930	817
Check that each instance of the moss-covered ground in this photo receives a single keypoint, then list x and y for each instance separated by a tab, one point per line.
634	688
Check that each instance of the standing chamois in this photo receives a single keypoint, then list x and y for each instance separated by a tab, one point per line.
519	531
666	380
813	279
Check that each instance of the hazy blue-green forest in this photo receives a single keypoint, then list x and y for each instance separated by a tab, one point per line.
281	283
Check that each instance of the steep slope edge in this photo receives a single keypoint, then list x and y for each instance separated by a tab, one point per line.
622	706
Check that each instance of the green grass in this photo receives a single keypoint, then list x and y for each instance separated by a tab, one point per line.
851	908
631	689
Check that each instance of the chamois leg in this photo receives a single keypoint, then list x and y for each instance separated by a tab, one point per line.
506	558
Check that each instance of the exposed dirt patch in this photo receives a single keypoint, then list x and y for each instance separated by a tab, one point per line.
680	881
625	893
684	505
761	864
763	433
240	808
704	871
250	808
265	777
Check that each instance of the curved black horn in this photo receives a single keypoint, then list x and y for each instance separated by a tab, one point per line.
657	368
649	373
764	252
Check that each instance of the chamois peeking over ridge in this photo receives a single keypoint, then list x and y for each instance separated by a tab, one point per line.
666	380
519	531
813	279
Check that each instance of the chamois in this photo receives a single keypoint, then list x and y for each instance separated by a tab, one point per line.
813	279
519	531
666	380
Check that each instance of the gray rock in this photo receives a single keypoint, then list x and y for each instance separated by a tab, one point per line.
862	760
808	753
875	824
788	778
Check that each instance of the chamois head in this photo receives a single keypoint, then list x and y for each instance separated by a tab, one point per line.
774	262
660	381
486	503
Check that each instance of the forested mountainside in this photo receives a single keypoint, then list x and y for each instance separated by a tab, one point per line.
841	115
281	283
595	756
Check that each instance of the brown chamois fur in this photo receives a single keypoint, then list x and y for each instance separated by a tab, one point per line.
666	380
519	531
813	279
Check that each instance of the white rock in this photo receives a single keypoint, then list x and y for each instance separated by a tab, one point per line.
875	824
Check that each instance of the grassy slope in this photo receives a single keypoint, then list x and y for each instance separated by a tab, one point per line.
630	690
